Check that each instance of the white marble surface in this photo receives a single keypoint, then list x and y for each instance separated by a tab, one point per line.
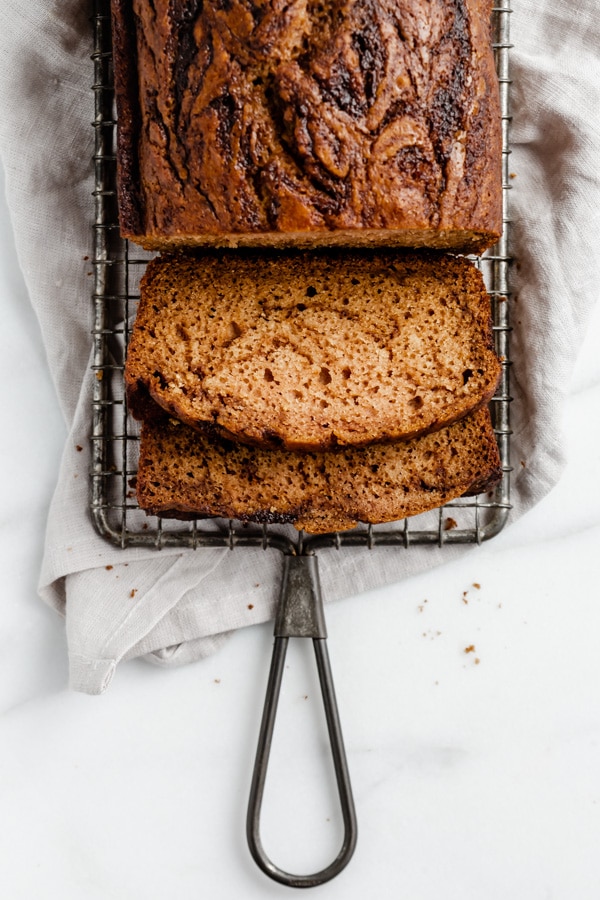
476	775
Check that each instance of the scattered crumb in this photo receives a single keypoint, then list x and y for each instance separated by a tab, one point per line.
513	175
477	585
450	523
133	592
145	526
79	448
251	606
305	697
470	648
464	597
523	464
257	585
99	376
108	568
217	680
476	660
85	258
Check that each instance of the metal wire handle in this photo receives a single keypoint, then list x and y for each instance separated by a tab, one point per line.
300	615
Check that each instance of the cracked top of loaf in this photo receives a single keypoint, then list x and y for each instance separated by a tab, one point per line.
303	122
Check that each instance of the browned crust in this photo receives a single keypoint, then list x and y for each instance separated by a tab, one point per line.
124	47
308	128
450	239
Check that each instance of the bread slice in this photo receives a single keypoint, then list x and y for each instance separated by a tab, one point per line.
312	351
184	474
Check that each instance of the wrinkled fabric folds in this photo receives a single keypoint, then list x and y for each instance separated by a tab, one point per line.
176	606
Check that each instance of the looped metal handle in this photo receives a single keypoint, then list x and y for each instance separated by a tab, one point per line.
300	615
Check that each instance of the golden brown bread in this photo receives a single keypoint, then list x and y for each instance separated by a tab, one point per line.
312	350
266	122
184	474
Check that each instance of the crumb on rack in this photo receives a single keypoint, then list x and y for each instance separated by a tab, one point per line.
450	523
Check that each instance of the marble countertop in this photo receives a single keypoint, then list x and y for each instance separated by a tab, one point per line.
476	774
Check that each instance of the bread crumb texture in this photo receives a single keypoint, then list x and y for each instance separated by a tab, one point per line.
185	474
313	350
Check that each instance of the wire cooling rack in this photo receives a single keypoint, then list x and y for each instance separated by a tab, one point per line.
118	267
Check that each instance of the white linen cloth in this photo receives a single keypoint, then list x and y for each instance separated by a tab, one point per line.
172	606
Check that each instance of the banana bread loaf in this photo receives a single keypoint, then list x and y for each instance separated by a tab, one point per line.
352	122
184	474
312	350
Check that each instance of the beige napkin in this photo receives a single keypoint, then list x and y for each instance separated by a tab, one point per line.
173	606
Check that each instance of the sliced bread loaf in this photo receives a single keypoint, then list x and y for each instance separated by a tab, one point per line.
312	351
184	474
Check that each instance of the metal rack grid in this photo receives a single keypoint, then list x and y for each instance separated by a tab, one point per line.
118	267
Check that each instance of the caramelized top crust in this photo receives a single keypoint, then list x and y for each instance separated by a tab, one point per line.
271	117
